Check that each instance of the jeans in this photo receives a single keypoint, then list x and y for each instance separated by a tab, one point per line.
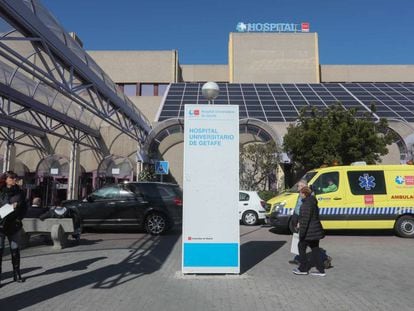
316	259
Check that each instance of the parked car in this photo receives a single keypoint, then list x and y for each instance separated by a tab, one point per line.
152	206
251	208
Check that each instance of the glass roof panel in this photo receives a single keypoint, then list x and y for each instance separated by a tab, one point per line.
45	95
52	23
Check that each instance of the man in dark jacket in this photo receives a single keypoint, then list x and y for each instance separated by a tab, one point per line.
310	232
11	193
36	209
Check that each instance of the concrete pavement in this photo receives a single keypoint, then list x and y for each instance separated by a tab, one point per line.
135	271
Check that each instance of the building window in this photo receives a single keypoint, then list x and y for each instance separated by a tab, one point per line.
147	90
130	89
161	89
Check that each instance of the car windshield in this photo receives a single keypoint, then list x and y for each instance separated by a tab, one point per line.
308	176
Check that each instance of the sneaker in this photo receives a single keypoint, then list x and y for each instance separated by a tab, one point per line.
294	262
298	272
318	273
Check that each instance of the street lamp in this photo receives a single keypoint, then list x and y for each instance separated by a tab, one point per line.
210	90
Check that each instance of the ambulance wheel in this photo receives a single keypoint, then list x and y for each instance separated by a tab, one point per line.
250	218
405	227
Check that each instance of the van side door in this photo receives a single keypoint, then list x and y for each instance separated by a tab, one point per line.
368	205
329	191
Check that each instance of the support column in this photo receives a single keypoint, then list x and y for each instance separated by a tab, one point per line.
9	159
74	171
139	170
140	161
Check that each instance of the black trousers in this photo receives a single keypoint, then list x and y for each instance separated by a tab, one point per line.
13	241
316	259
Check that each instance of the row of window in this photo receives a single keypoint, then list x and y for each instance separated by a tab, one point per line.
143	89
360	182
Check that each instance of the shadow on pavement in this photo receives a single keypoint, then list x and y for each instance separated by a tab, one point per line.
45	240
253	252
146	259
280	231
9	274
77	266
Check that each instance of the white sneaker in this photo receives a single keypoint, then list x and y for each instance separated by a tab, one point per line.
298	272
318	273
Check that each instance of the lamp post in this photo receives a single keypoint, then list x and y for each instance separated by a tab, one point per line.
210	90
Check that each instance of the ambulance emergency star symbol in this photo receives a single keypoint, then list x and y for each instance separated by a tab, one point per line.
367	182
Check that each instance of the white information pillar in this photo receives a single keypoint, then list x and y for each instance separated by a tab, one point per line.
211	233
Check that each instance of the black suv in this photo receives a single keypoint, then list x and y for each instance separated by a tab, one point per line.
156	207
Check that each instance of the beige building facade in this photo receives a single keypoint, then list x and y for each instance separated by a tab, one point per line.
273	58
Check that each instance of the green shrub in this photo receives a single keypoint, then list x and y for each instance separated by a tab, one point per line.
267	194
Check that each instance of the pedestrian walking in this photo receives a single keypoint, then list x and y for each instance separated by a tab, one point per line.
310	233
11	193
295	217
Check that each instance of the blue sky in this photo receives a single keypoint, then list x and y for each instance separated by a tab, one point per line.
350	31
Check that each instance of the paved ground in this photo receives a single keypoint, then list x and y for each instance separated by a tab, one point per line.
134	271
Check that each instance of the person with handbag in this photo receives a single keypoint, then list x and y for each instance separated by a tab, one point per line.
11	193
310	233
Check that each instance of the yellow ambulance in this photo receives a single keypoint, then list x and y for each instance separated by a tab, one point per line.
357	196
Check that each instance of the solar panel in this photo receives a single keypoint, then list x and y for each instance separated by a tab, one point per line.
281	102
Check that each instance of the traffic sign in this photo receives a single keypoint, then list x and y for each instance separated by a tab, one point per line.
161	167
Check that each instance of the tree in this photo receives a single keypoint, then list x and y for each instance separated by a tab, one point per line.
258	162
147	174
336	135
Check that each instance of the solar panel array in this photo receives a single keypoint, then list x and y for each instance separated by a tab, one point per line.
283	102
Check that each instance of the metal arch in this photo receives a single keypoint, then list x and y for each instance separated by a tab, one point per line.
148	147
401	144
113	140
116	109
98	155
162	130
111	158
264	127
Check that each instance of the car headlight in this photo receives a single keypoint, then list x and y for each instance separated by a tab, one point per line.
278	207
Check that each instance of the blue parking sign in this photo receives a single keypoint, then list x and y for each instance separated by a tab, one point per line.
161	167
